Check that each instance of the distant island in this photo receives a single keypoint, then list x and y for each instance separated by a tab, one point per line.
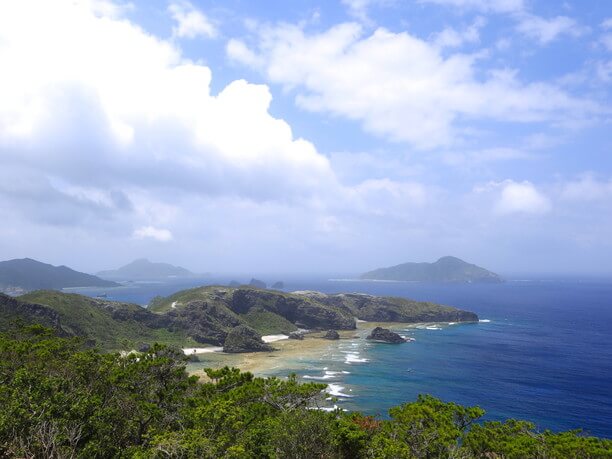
25	274
446	269
144	269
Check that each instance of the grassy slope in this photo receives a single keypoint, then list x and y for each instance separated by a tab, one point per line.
164	304
268	323
87	317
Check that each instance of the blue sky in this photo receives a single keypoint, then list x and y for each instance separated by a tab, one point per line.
338	136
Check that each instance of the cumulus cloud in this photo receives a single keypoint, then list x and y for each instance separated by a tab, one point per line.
119	108
191	22
399	86
150	232
511	197
117	137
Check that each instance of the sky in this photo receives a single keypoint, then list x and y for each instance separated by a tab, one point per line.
307	137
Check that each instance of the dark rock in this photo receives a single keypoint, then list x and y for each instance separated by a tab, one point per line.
257	283
143	347
28	313
296	335
278	285
244	339
385	335
391	309
193	358
331	334
297	309
204	322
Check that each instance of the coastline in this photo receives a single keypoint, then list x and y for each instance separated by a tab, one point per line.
290	353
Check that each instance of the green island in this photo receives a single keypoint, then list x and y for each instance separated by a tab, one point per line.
445	270
206	315
60	399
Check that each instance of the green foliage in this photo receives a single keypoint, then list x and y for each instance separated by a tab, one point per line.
268	323
94	320
58	399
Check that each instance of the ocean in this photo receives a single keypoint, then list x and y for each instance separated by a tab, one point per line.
541	352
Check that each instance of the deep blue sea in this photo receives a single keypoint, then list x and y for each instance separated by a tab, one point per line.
543	353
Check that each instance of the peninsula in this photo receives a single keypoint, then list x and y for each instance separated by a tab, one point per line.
211	315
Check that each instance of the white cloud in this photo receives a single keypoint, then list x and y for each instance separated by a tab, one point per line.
496	6
399	86
520	197
359	8
191	22
451	38
587	188
150	232
119	109
606	37
547	30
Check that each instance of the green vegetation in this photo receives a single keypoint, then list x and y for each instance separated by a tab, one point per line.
108	324
206	315
58	400
446	269
268	323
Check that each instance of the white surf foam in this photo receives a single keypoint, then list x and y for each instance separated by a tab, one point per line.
336	391
354	358
484	321
433	328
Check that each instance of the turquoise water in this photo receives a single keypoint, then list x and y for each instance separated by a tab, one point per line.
543	354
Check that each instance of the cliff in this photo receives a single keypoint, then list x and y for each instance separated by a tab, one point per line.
211	314
391	309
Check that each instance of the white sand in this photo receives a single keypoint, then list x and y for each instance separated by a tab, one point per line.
201	350
273	338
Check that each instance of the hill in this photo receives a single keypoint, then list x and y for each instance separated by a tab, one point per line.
27	274
107	324
145	269
210	314
446	269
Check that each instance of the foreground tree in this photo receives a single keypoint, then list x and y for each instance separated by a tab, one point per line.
60	400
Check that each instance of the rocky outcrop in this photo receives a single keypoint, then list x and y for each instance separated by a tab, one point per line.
296	335
384	335
14	311
331	334
391	309
257	283
204	322
244	339
295	308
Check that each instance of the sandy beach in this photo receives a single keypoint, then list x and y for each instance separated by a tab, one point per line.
289	353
